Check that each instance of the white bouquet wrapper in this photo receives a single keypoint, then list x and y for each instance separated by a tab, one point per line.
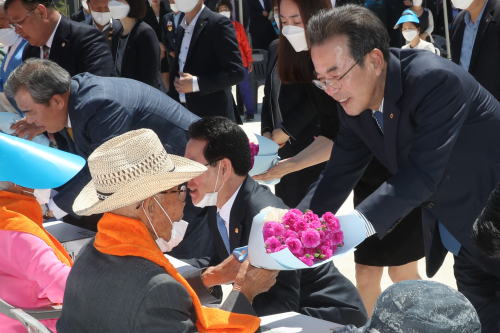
354	233
266	158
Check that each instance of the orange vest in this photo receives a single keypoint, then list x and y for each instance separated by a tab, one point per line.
122	236
22	213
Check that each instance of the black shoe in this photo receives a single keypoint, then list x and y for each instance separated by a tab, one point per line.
249	117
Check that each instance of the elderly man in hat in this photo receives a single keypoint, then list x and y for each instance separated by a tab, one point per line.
121	281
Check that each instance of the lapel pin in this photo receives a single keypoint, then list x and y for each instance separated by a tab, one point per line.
63	44
392	115
236	230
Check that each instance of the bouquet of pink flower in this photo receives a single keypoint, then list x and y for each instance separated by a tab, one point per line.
254	150
308	237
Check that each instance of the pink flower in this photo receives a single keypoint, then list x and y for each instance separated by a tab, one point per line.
327	242
282	247
272	243
301	225
310	238
309	261
310	216
289	233
331	221
309	251
315	224
338	237
267	233
254	150
278	228
294	245
292	217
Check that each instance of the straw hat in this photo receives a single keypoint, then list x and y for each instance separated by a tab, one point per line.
130	168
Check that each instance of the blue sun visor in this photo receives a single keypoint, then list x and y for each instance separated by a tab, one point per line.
408	16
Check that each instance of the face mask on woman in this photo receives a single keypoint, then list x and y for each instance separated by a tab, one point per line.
462	4
186	6
277	20
8	37
173	6
176	234
118	9
417	3
226	14
410	34
296	36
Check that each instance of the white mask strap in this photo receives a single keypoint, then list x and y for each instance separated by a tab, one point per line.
149	219
164	211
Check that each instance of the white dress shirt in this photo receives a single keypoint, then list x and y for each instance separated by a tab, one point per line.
262	4
225	211
12	51
186	41
51	39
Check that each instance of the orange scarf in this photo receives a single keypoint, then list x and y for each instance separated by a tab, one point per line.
22	213
121	236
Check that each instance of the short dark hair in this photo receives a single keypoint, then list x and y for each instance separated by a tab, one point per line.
31	4
138	8
362	28
417	25
224	3
224	139
486	229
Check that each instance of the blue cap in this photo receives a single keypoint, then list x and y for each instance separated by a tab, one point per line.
36	166
408	16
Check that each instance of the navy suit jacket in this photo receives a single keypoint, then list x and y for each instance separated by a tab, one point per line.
215	58
102	108
440	133
169	37
78	48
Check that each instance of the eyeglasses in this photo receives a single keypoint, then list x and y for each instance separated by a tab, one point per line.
181	192
334	83
19	24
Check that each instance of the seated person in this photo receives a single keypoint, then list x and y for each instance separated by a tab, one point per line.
486	229
122	281
34	266
420	306
411	30
235	198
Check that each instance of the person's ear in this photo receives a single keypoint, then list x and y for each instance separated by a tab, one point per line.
225	169
376	59
58	101
42	11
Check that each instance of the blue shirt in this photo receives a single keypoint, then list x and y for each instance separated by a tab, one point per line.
176	19
470	33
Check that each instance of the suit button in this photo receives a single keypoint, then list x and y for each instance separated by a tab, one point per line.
430	232
430	205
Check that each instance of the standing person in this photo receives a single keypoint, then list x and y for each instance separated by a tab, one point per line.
170	24
424	16
474	43
154	13
76	47
212	4
83	14
102	20
261	28
410	28
431	125
225	8
135	46
207	62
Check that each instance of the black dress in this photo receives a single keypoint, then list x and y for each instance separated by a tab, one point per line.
153	22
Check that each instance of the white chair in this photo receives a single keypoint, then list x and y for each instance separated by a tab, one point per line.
30	317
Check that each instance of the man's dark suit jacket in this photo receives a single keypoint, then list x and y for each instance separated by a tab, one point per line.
169	37
151	20
215	58
78	48
78	16
439	126
259	23
320	292
484	63
211	4
141	60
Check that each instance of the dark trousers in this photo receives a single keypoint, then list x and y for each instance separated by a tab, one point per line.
246	93
481	289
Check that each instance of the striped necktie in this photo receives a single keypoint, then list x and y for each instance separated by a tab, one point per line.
221	225
379	118
46	51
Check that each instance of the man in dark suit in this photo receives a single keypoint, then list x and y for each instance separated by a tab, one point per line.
223	146
212	4
170	25
207	63
261	29
431	124
76	47
88	110
475	45
100	7
83	14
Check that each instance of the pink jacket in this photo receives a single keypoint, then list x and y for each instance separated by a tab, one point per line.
30	276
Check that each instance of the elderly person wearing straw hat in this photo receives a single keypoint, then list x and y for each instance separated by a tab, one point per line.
121	281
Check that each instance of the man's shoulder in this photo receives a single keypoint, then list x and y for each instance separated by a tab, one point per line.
258	197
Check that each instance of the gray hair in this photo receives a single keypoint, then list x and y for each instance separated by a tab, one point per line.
362	28
4	186
42	79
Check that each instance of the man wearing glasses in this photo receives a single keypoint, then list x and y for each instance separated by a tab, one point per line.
430	123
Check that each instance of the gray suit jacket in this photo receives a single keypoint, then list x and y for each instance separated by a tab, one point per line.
106	293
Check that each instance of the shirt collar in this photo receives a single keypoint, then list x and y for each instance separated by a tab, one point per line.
191	25
69	123
225	211
51	39
468	20
381	108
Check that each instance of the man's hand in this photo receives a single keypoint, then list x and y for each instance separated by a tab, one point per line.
266	14
252	281
250	67
223	273
283	168
172	54
22	129
184	83
268	135
163	51
280	137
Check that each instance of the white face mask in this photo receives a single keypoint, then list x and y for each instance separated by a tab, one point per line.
277	20
226	14
210	199
85	5
176	234
8	36
462	4
173	6
186	6
417	3
296	36
42	196
118	10
410	34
